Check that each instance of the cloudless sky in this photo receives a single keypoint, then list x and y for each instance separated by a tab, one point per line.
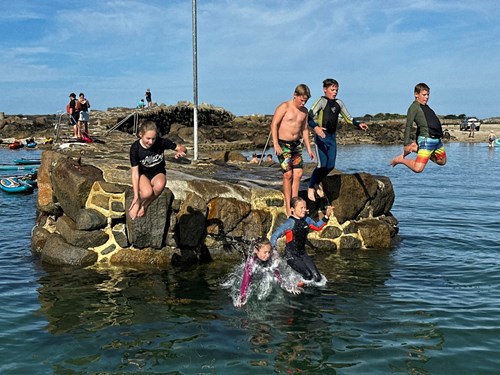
251	54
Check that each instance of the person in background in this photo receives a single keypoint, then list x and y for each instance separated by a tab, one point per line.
83	106
428	144
148	98
141	104
491	139
472	129
74	115
323	120
288	127
254	159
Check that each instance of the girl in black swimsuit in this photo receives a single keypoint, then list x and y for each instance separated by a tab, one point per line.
148	167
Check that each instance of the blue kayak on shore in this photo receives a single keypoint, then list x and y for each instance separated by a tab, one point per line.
24	161
14	167
15	185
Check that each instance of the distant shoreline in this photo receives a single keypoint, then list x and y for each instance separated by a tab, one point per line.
230	129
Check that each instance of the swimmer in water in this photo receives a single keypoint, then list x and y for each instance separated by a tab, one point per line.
295	229
264	258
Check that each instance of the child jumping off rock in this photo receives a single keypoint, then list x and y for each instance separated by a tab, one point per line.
295	229
263	258
148	167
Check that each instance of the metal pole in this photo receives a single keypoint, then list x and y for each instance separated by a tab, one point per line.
195	84
265	147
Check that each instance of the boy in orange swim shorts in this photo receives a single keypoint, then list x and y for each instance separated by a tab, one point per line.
428	145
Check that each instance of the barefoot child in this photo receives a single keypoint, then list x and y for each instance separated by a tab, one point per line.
264	259
429	132
323	120
288	126
148	167
295	229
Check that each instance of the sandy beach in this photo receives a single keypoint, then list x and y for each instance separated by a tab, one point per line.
479	136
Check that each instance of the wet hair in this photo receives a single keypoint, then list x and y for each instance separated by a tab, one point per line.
302	90
260	242
421	87
330	82
146	126
295	200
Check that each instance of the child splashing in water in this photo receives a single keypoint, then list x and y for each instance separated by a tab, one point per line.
262	264
148	167
295	229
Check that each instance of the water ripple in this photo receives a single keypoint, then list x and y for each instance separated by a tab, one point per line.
430	306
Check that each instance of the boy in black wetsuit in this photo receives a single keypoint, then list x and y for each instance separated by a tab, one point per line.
323	120
296	228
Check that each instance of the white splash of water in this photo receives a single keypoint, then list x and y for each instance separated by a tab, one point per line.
264	282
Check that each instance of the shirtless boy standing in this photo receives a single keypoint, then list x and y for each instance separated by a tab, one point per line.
289	124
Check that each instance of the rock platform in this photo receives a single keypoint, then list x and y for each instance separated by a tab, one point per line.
212	208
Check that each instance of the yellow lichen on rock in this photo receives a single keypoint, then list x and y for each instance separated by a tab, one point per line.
110	204
106	250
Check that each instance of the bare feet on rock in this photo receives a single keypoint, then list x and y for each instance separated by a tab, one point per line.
320	191
311	194
133	210
142	211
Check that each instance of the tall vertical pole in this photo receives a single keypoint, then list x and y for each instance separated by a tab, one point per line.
195	83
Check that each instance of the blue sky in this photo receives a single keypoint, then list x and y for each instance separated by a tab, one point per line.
251	54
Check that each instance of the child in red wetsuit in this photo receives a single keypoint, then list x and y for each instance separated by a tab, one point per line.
262	259
295	229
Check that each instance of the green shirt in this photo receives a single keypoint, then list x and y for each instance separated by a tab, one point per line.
415	114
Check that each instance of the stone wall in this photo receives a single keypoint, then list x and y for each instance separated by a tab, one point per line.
83	215
167	116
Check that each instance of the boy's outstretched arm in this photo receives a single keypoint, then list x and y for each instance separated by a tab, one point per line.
320	224
349	119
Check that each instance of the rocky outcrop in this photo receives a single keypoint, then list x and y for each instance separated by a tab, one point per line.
218	129
210	209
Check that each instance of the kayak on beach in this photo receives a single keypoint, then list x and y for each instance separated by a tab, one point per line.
15	145
24	161
15	185
14	167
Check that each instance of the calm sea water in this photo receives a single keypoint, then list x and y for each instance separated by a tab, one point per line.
430	306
